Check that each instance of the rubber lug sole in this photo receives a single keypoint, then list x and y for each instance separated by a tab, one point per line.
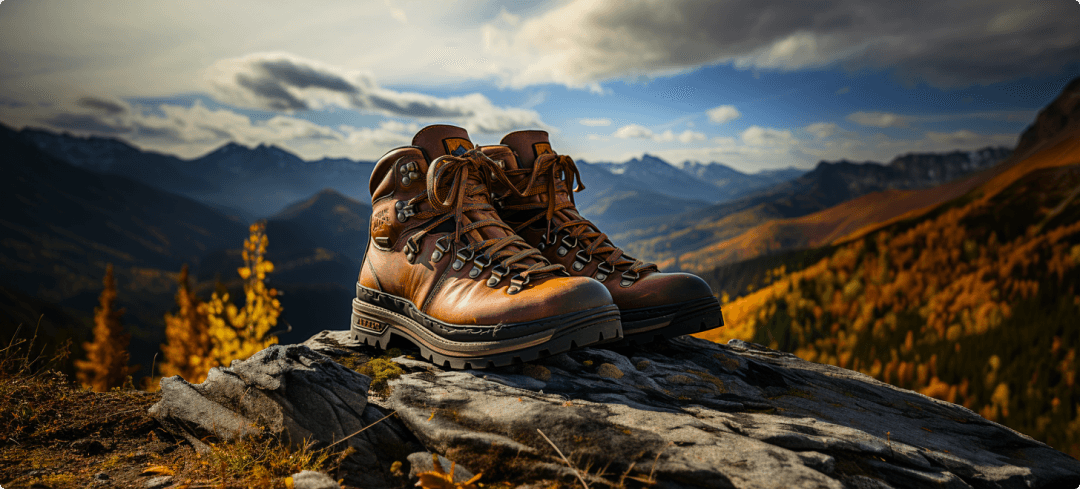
663	323
375	325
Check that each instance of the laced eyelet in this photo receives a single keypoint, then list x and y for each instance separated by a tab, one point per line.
516	284
581	261
441	248
461	258
411	249
603	270
544	242
497	274
566	246
628	278
404	211
478	265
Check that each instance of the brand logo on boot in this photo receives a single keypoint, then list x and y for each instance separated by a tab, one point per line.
542	149
457	146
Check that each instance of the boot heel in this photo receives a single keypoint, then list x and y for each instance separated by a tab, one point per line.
370	329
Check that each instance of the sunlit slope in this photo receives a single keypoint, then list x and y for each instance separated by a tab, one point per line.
824	227
863	215
975	301
1060	151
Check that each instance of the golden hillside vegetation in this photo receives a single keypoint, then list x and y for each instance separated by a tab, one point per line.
976	302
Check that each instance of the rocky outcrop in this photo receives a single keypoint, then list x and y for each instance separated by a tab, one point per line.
685	413
296	394
691	413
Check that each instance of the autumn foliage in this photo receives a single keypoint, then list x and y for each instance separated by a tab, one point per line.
187	335
106	364
206	334
238	333
977	304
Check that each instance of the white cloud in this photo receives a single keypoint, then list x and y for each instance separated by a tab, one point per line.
822	130
966	139
633	131
284	82
888	119
768	137
878	119
603	121
723	113
843	90
636	131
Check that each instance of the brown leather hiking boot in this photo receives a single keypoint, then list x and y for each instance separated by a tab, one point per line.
445	273
540	207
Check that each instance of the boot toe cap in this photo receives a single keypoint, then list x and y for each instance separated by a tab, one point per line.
660	289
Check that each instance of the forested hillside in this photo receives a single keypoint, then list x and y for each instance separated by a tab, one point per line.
975	302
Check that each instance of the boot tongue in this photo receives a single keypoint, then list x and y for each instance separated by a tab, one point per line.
528	145
440	140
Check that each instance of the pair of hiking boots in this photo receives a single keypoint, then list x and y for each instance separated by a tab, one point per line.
479	257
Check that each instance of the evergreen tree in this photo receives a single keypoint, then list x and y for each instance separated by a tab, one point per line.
187	348
106	364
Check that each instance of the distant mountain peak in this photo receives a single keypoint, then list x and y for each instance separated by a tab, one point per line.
322	202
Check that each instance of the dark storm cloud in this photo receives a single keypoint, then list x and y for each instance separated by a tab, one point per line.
271	91
300	76
109	107
282	82
954	43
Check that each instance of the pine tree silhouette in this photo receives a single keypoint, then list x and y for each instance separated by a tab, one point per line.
106	364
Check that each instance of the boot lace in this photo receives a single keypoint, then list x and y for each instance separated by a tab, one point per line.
550	174
457	188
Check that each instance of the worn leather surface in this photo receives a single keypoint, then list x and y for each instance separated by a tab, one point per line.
519	150
434	287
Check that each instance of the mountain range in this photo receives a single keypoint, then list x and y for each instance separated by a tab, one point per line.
76	204
248	183
667	240
253	183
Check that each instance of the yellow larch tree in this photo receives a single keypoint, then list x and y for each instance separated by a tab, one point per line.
187	345
106	364
238	333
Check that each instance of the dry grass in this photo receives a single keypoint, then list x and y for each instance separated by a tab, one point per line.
56	434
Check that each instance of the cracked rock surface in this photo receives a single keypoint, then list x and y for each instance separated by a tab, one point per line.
691	413
294	393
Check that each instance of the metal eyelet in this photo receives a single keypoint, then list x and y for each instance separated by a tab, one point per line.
497	274
478	266
627	279
440	248
545	242
409	173
581	261
411	249
516	284
603	270
462	258
566	246
404	211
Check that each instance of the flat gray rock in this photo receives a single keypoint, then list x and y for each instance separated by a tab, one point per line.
691	413
310	479
296	394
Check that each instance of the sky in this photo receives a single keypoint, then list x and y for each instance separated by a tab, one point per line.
754	85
